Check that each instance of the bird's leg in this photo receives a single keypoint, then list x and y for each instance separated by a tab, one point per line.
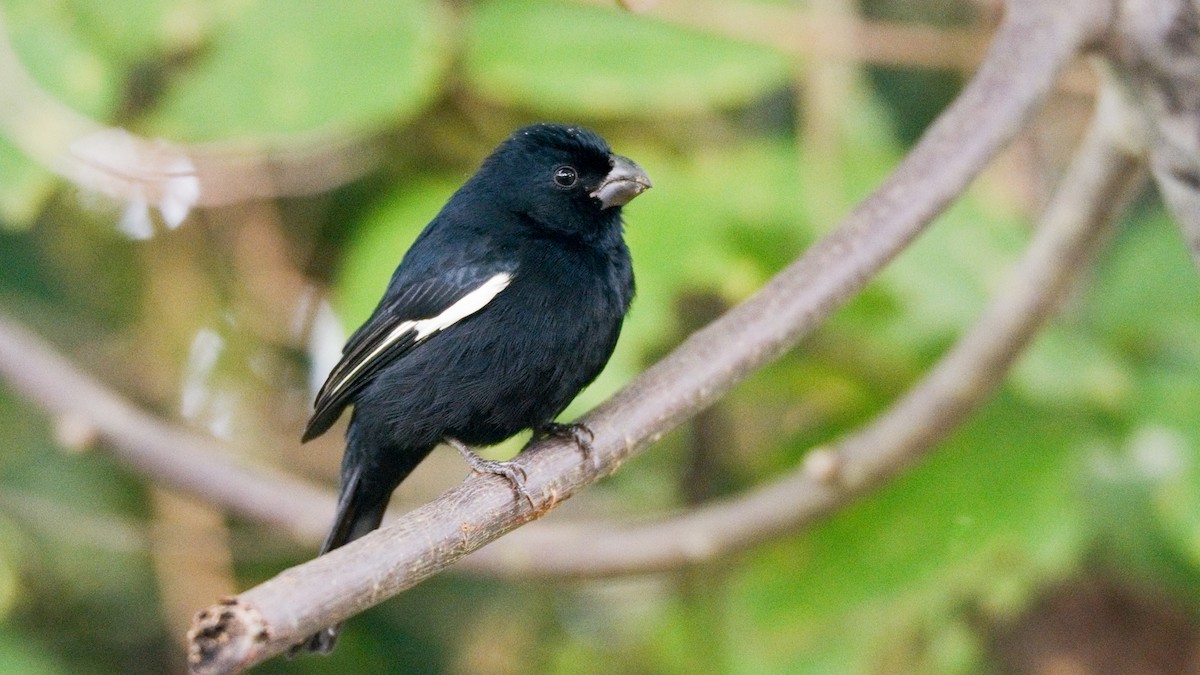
577	432
511	471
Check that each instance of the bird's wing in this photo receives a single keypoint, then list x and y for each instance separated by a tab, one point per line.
409	314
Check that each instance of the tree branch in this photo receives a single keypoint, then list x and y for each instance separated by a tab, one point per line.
1104	174
1033	44
186	461
802	33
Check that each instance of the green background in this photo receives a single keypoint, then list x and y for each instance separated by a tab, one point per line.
1078	478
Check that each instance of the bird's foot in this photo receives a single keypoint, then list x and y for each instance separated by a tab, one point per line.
576	432
510	470
320	642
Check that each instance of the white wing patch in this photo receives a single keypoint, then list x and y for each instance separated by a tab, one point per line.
466	306
469	304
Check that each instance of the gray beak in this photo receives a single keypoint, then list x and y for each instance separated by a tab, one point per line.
626	181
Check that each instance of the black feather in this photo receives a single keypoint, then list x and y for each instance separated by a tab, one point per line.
410	302
534	238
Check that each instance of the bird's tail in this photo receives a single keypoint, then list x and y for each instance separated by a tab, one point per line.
359	511
363	499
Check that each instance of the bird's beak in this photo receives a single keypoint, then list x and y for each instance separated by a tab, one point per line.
626	181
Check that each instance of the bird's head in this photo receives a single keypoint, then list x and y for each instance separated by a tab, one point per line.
564	178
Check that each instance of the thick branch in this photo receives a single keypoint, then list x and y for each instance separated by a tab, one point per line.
1102	177
1032	46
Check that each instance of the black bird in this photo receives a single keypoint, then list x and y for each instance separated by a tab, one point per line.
506	306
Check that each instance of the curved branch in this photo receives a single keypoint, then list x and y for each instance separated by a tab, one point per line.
1104	174
1033	45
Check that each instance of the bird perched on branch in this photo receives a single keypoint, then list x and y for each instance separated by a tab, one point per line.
504	308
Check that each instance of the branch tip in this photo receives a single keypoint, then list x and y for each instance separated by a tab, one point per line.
225	637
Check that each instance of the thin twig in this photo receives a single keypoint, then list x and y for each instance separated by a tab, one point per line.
168	455
1033	45
804	33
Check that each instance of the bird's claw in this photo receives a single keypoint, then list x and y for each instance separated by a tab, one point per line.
511	471
577	432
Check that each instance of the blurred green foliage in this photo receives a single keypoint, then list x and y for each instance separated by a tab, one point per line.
390	59
1085	459
575	60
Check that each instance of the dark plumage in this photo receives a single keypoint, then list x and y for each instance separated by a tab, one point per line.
506	306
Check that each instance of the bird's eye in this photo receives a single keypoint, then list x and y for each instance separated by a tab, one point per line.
565	176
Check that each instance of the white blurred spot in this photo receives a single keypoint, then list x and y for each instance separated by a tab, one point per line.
138	172
135	220
325	341
197	373
1159	452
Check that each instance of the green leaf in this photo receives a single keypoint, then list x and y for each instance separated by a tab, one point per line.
1145	298
48	43
19	654
563	59
128	32
280	67
1072	367
942	281
46	38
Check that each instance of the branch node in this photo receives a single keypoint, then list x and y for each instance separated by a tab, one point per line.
75	433
823	465
226	637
